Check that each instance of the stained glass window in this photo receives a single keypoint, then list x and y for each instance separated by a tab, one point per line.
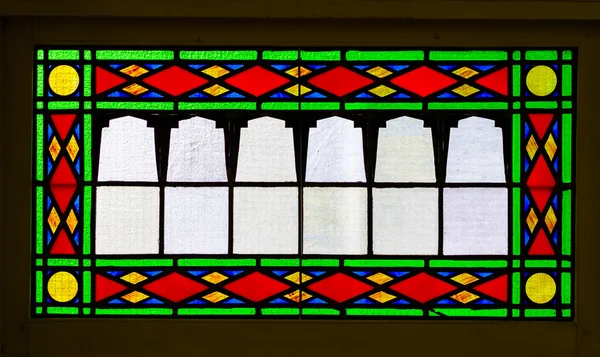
304	183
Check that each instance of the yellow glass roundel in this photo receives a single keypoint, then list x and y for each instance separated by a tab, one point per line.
62	286
540	288
541	80
63	80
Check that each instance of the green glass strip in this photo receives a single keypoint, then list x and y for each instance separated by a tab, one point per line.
516	80
567	146
134	55
40	81
566	312
384	312
540	313
517	55
87	262
39	286
566	288
63	105
567	71
320	262
567	104
40	55
87	218
39	310
320	106
63	54
87	147
216	106
87	55
385	263
136	105
280	106
541	105
87	105
567	55
517	105
516	148
134	311
280	55
86	310
134	262
39	220
516	312
280	262
541	55
471	313
566	222
39	105
280	311
216	262
470	106
87	80
468	55
320	312
320	55
516	263
219	55
516	288
383	106
385	55
468	263
540	264
63	262
516	220
217	311
565	264
39	262
62	310
87	287
39	147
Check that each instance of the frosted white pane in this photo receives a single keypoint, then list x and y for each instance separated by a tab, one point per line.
405	152
335	152
335	220
197	152
196	220
127	151
475	152
265	220
127	220
475	221
405	221
266	152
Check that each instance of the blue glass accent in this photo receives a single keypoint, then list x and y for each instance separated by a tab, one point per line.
116	301
316	273
281	67
115	272
484	95
446	302
447	67
152	95
397	67
484	274
50	94
445	273
77	166
362	273
48	299
526	165
234	66
555	94
77	131
401	302
555	130
196	66
77	94
526	237
279	301
233	95
555	201
555	66
76	237
362	67
556	165
280	95
527	94
315	95
233	301
118	94
76	204
364	95
280	272
49	166
401	95
398	273
76	301
447	95
50	132
198	95
484	302
555	237
116	66
233	272
527	130
316	66
153	273
153	301
527	203
317	301
364	301
197	302
48	202
482	67
197	272
48	237
153	65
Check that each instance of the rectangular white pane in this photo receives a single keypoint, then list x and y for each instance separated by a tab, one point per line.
335	220
475	221
405	221
265	220
196	220
127	220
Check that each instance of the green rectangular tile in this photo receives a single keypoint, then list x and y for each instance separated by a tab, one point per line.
63	54
516	148
468	106
87	105
383	106
217	311
280	106
40	81
565	264
320	55
86	310
136	105
87	55
567	147
320	312
540	313
320	106
516	288
468	55
566	312
39	220
566	288
280	311
87	287
468	263
39	262
39	287
541	105
217	106
516	264
134	55
320	262
280	262
385	55
516	105
383	312
39	147
516	55
87	218
39	310
87	147
63	105
540	264
239	55
516	220
567	55
567	104
454	312
516	312
516	80
566	222
377	263
134	262
134	311
87	262
87	80
39	105
280	55
567	72
541	55
62	262
52	310
40	55
216	262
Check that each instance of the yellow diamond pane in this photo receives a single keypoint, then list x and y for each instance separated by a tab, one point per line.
135	296
135	89
133	278
216	71
551	147
540	288
53	220
297	296
382	91
465	72
465	297
379	72
73	148
134	70
295	278
216	90
72	221
54	148
63	80
532	220
298	90
465	90
550	219
531	147
298	71
382	296
62	286
215	278
215	296
380	278
465	279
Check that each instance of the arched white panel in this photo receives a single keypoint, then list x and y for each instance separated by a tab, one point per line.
197	152
405	152
127	151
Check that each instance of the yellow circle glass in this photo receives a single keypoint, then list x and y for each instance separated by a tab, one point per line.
541	80
540	288
63	80
62	286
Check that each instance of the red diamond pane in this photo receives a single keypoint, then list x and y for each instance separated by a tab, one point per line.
257	81
497	288
175	287
175	80
340	81
340	287
106	287
106	80
256	287
422	287
497	81
423	81
540	182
